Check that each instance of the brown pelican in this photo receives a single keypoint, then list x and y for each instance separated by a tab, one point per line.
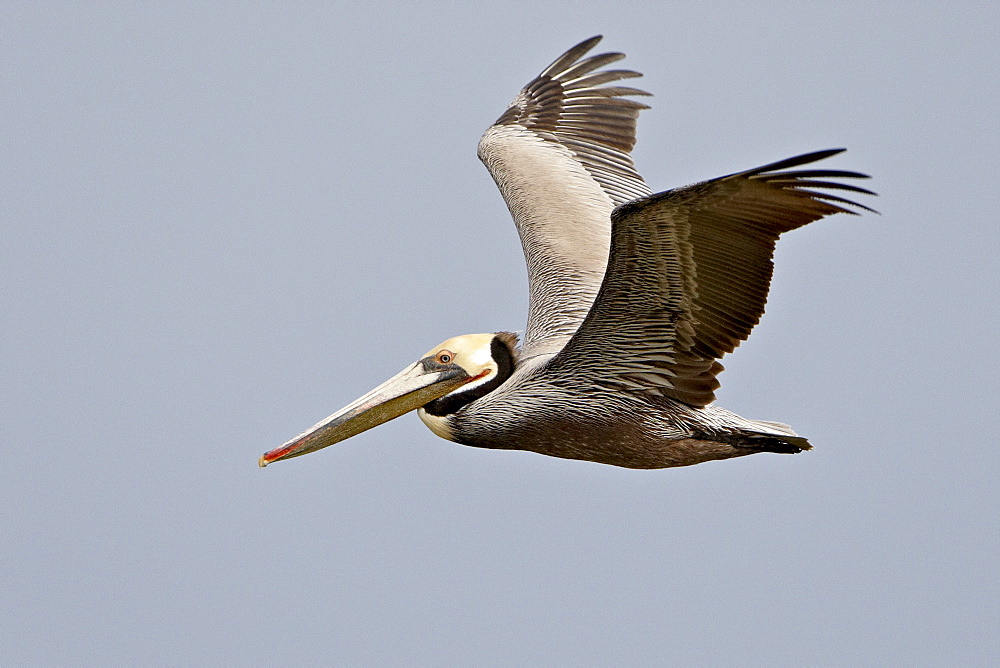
634	296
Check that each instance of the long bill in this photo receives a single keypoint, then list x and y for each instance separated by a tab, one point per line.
415	386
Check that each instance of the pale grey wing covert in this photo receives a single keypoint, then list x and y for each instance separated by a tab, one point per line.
560	156
688	277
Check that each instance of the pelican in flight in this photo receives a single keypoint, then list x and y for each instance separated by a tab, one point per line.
634	296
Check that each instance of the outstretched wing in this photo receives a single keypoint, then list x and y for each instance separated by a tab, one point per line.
560	156
688	277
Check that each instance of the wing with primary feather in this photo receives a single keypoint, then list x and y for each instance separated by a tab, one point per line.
688	276
560	156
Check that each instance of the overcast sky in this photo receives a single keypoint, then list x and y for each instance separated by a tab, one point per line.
222	222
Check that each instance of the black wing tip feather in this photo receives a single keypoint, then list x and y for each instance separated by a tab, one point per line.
799	181
830	199
794	161
795	180
804	159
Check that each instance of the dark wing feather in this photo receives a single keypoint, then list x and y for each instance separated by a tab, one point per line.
560	156
688	277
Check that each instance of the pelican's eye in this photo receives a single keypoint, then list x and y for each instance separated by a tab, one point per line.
444	357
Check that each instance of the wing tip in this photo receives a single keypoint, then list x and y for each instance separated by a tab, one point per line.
571	55
795	180
794	161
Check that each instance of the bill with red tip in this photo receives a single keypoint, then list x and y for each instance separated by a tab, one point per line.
415	386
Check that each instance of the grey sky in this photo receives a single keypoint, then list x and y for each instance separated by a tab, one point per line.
222	222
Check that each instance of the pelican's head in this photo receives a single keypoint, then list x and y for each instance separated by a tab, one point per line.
448	377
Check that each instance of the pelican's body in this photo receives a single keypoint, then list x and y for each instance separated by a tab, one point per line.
634	296
635	430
